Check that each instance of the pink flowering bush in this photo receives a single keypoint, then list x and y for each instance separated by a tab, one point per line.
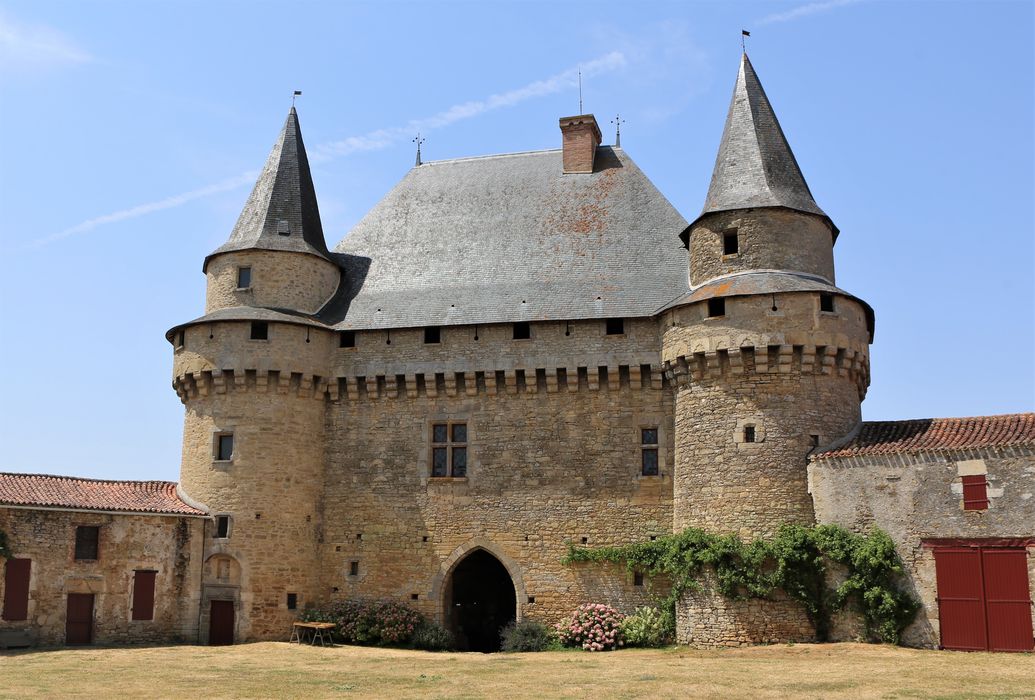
594	627
371	622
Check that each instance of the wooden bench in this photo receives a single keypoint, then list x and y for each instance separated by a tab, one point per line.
316	631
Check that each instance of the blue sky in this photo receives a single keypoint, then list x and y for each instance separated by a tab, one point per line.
131	133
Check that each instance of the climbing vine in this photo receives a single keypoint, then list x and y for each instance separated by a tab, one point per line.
794	561
5	551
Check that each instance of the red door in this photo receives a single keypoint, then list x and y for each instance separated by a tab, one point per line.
221	623
79	619
983	599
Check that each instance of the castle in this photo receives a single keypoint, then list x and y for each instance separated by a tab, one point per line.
506	355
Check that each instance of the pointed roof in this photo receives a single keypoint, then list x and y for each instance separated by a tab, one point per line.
755	166
281	213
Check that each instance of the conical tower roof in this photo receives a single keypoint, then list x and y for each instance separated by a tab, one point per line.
281	213
755	166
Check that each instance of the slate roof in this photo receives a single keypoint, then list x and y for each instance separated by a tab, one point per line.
509	238
755	166
936	434
283	197
44	490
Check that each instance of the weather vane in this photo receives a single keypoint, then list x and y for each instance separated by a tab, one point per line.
418	140
743	33
293	96
580	89
618	121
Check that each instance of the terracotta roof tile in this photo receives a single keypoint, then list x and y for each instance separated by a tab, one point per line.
45	490
931	434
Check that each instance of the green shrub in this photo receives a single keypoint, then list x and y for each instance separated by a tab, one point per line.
528	635
594	627
368	622
431	636
648	627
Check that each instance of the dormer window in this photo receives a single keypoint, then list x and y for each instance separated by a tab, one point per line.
284	227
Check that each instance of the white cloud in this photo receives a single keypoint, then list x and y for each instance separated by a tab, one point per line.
806	10
372	141
24	46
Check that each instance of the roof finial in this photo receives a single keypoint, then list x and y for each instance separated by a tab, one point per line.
418	140
618	121
580	89
293	96
743	33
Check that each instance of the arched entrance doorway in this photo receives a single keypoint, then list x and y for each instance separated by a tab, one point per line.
481	600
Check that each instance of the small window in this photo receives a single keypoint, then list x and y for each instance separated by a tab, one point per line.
615	326
975	492
432	334
813	441
225	447
637	578
260	330
347	339
284	227
244	277
180	339
649	451
826	302
353	568
292	601
749	433
415	596
16	589
730	244
716	307
86	539
144	595
522	330
449	449
222	526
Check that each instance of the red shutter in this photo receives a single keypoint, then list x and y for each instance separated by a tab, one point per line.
961	604
975	492
1008	599
16	589
144	595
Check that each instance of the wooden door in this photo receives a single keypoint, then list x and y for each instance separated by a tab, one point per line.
79	619
1007	599
221	623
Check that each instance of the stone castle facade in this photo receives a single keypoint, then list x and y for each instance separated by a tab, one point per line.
507	355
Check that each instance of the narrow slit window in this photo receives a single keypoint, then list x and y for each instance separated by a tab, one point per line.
730	244
244	277
86	542
826	303
749	433
353	568
432	335
975	492
813	441
225	447
649	451
716	307
522	330
260	330
615	326
222	526
347	339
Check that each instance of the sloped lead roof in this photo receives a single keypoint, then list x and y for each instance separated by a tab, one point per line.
281	213
511	238
755	166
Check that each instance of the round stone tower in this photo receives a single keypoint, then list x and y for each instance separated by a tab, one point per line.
769	358
252	375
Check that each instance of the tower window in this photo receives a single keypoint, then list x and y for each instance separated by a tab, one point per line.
826	302
260	330
244	277
284	227
222	526
813	441
749	433
180	337
353	568
432	334
615	326
522	330
649	451
347	339
716	307
86	539
730	244
225	447
449	449
292	601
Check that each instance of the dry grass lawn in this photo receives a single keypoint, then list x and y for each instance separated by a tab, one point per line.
280	670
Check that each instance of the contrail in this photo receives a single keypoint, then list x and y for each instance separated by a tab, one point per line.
372	141
805	10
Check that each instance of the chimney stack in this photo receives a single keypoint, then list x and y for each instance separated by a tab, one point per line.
581	137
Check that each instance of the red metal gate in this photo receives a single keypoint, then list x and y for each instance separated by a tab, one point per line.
983	598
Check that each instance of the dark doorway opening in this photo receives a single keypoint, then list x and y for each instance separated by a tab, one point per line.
79	619
221	623
481	602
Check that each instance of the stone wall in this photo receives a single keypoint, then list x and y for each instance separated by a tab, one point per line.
168	545
279	279
919	497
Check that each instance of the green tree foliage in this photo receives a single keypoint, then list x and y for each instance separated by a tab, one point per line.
794	561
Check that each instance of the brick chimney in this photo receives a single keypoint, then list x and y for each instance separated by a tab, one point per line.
581	137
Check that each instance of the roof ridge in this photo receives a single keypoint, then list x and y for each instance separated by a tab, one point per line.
488	156
87	478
